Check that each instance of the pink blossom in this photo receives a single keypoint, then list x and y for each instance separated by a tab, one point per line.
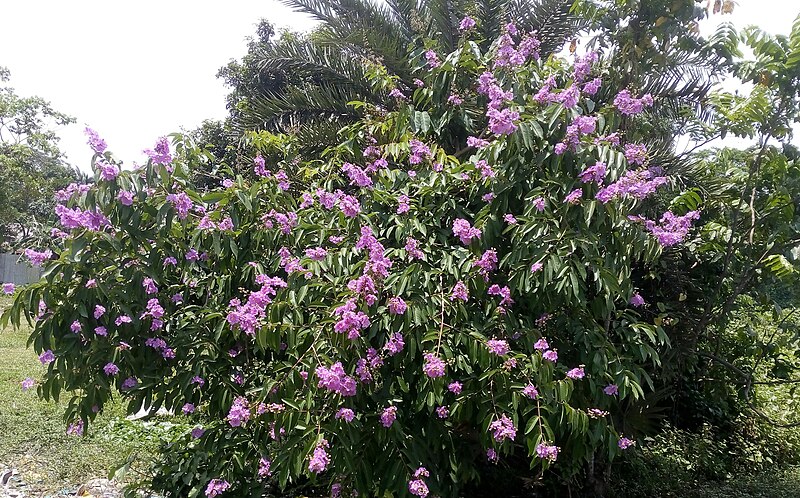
388	416
502	429
434	366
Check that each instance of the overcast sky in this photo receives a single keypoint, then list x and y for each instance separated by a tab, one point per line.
137	70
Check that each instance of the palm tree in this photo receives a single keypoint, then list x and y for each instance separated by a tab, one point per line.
325	70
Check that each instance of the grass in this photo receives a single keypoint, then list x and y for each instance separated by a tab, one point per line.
32	432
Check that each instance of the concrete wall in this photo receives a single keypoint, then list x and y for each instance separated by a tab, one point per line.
17	273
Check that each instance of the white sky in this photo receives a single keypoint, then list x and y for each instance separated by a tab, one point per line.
137	70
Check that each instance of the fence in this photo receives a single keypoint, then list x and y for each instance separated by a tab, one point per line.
17	273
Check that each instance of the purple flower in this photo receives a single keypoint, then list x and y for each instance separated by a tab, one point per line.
122	319
502	122
536	266
455	387
510	219
637	300
402	204
395	344
182	203
576	373
76	327
498	347
47	357
595	173
538	203
460	291
345	414
388	416
319	460
464	231
129	383
541	345
671	229
216	487
550	355
466	24
38	258
636	153
491	455
161	154
547	452
530	391
28	383
432	59
111	369
239	412
625	443
198	432
412	248
476	142
95	142
417	487
75	428
397	94
8	288
573	197
397	306
335	379
487	263
188	408
317	253
629	106
434	366
591	87
108	172
455	100
611	390
443	412
502	429
259	166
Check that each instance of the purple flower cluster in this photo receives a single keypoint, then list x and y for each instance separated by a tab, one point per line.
286	221
433	366
595	173
634	183
502	429
351	321
576	373
636	153
395	344
345	414
547	451
388	416
629	106
432	59
319	460
9	288
486	264
216	487
239	412
75	218
464	231
412	248
530	391
460	291
260	167
335	379
417	486
503	292
95	142
246	316
161	154
508	54
467	23
182	203
498	346
397	306
671	229
357	175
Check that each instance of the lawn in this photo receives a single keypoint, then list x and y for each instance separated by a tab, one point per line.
32	432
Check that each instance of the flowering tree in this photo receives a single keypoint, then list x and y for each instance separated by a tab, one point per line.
392	315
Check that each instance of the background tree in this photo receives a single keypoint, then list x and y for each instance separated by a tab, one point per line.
32	168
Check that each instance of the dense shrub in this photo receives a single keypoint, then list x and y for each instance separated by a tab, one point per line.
387	316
